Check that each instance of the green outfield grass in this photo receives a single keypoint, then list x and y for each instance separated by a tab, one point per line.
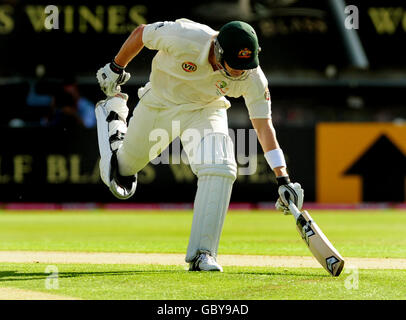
174	283
377	234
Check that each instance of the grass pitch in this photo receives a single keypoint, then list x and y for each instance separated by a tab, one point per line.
372	234
148	282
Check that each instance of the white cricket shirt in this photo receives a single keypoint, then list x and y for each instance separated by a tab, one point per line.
181	74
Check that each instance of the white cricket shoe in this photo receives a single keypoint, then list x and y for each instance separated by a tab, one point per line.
205	262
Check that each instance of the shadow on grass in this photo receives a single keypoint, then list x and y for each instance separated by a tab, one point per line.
288	273
22	276
8	276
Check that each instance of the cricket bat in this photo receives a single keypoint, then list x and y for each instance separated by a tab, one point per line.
317	242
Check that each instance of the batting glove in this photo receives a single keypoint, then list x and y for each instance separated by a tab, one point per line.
111	77
288	191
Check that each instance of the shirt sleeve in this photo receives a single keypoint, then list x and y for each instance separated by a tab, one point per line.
164	36
257	96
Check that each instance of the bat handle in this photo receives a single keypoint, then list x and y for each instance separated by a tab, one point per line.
294	210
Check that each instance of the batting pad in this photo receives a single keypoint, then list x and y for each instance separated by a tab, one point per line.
104	144
210	208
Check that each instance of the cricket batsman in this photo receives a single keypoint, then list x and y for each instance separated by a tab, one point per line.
193	71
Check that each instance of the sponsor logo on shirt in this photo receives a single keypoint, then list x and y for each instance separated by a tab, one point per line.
244	53
221	87
189	66
159	25
267	94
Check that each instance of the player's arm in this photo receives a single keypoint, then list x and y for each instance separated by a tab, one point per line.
113	75
131	47
276	159
164	36
267	138
258	101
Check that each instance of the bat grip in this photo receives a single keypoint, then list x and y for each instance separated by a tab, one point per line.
294	210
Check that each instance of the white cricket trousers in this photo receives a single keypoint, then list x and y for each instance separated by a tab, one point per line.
206	126
140	143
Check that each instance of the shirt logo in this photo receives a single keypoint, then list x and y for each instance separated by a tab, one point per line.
267	94
161	24
221	87
244	53
189	66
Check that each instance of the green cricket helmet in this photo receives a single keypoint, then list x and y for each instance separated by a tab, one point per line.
237	44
